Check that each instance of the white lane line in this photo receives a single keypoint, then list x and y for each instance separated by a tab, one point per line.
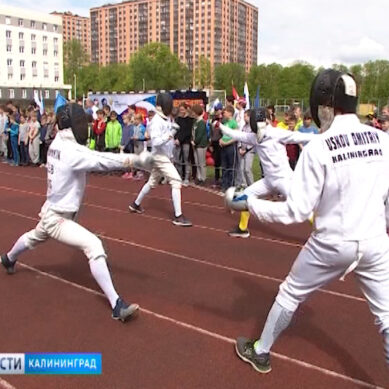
199	226
210	333
199	261
5	384
123	192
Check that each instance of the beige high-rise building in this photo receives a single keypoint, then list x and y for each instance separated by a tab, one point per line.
75	27
221	30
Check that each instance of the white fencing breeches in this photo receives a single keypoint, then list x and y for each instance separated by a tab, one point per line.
60	226
320	262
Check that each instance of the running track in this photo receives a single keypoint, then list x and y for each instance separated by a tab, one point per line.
198	290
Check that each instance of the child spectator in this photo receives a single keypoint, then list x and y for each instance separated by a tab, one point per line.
3	132
51	131
292	150
215	148
246	154
384	122
307	126
127	143
228	150
139	134
183	143
14	136
42	136
200	143
99	126
107	112
113	134
139	139
33	136
23	140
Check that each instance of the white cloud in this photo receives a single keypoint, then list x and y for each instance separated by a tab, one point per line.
366	49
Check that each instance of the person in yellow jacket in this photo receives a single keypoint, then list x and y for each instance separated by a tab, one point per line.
113	134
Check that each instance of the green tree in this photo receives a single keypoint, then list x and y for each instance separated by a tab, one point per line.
75	57
203	73
229	74
155	67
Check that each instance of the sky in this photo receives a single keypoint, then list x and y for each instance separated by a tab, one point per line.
321	32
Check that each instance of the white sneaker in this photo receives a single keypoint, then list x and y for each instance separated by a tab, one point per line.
186	183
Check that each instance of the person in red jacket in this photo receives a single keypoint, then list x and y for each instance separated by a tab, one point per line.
99	130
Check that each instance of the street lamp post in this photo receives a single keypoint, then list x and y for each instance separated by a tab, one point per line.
75	86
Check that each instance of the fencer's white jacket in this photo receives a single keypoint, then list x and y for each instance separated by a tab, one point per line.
160	132
343	177
67	166
271	150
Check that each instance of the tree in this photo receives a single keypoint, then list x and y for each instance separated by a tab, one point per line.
228	75
75	57
155	67
203	73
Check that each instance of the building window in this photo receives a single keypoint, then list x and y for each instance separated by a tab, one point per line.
8	34
22	77
56	79
47	94
33	63
55	40
20	22
12	93
9	62
9	48
55	53
44	26
32	24
44	51
33	50
21	35
21	49
7	20
44	38
22	63
33	37
10	76
24	93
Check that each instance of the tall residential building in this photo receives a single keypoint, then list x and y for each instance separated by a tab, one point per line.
30	54
75	27
222	30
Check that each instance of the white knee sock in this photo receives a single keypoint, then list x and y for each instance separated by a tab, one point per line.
146	189
277	320
176	197
18	248
100	272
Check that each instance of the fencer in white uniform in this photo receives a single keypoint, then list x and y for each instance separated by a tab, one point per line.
68	162
269	143
343	177
161	131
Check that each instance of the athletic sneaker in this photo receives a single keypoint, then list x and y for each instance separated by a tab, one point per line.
245	349
181	221
9	266
123	311
135	208
238	233
185	183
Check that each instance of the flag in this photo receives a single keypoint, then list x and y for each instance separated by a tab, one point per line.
38	101
246	95
59	102
256	103
235	93
42	106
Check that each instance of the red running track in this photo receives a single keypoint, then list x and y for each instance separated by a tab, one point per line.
198	290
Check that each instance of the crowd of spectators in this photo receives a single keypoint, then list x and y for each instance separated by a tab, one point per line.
25	135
